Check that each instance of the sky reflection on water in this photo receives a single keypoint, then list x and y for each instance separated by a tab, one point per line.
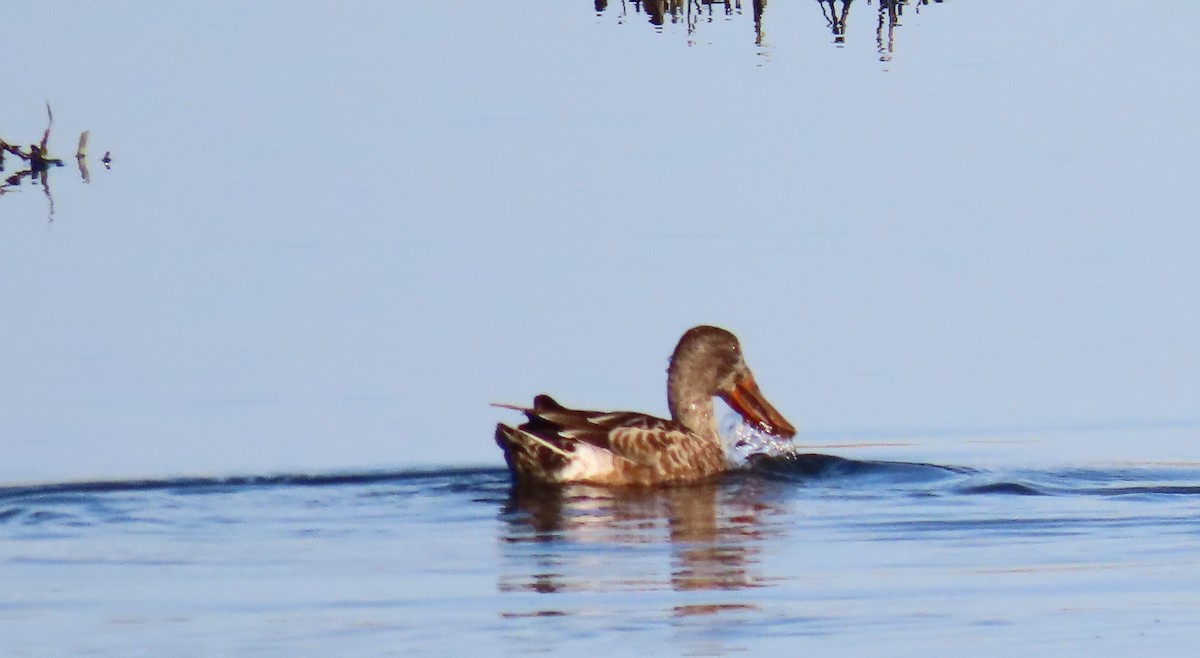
332	235
957	256
819	554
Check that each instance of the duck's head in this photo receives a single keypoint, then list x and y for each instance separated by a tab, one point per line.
708	362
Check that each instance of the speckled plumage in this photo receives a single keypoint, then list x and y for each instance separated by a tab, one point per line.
560	445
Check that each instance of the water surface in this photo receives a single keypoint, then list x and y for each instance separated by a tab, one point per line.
807	553
958	241
332	236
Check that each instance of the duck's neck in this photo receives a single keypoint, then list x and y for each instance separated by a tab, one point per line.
690	405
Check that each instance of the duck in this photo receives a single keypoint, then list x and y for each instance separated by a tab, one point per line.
558	445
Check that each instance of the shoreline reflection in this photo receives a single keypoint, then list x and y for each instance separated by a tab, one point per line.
693	13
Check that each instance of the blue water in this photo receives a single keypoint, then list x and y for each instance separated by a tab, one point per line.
330	238
957	241
799	553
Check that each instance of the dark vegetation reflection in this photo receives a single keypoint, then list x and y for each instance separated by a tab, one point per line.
37	162
691	14
710	534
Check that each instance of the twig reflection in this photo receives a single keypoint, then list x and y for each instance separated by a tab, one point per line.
38	162
836	20
892	10
890	13
691	13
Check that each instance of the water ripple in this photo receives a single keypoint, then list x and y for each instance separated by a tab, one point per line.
810	466
201	485
1003	488
462	494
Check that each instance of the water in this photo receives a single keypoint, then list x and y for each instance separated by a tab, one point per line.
330	242
800	553
957	242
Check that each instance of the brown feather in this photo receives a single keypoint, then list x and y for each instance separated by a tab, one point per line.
648	450
557	444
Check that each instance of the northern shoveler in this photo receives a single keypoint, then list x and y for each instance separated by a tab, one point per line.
561	445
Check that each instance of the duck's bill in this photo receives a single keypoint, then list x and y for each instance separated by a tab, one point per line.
747	400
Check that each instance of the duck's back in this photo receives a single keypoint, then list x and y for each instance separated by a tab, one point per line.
558	445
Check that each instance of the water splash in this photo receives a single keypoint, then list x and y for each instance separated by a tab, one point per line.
743	442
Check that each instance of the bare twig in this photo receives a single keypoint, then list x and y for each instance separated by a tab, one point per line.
49	122
81	157
37	162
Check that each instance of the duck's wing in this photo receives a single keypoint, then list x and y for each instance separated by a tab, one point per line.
635	437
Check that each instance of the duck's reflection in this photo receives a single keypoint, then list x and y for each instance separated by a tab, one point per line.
591	538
